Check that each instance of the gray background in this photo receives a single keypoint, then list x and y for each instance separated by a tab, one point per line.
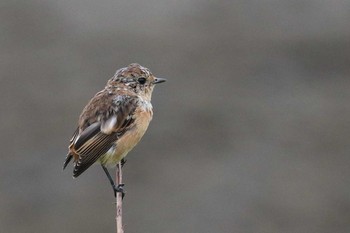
250	133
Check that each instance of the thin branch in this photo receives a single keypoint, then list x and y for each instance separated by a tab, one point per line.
119	200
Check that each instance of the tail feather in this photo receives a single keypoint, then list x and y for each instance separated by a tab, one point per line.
68	159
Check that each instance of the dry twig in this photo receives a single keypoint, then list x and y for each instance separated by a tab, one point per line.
119	200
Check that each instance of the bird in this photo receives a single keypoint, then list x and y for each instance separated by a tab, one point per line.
113	122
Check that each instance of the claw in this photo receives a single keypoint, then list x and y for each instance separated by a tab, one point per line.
119	189
123	162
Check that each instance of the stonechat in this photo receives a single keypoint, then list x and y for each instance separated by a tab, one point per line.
114	121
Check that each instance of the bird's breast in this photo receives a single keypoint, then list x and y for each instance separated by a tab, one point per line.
130	138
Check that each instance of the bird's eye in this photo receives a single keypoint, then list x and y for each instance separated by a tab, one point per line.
142	80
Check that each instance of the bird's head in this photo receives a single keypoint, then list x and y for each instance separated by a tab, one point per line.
135	78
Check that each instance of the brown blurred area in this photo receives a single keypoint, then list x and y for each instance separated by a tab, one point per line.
250	133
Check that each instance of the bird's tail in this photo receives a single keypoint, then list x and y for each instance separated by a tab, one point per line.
68	159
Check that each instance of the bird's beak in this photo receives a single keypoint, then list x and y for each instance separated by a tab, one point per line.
159	80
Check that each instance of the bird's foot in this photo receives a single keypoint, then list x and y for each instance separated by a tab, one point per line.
123	162
119	189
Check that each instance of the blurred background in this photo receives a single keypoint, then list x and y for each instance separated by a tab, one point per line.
250	133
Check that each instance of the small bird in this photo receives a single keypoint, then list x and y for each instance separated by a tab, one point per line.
113	121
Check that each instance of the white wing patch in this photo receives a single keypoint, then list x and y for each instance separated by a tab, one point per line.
108	125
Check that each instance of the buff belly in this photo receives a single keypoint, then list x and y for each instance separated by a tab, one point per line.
128	141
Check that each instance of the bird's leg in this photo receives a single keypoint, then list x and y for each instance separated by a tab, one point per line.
116	189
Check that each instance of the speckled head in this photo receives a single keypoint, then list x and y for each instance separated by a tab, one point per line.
136	78
133	70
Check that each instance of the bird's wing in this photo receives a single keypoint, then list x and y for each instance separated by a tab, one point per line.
96	139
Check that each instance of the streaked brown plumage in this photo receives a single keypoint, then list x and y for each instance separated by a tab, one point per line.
114	120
